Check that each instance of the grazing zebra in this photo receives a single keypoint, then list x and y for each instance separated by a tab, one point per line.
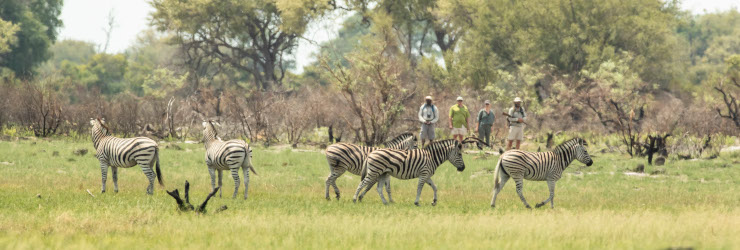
545	166
226	155
125	153
418	163
349	157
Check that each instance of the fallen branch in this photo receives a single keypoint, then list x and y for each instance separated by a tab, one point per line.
185	206
88	191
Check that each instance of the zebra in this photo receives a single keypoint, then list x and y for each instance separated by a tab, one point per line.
545	166
418	163
125	153
226	155
349	157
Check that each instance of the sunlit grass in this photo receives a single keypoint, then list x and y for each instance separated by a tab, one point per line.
692	204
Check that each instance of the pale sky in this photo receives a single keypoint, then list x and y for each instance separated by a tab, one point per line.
86	19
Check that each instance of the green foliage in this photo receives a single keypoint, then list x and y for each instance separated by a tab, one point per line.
150	52
38	21
162	82
7	36
251	36
570	35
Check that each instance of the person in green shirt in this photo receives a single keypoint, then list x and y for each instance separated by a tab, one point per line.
484	126
459	119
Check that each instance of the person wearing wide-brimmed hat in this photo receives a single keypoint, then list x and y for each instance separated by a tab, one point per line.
516	117
459	119
428	116
484	123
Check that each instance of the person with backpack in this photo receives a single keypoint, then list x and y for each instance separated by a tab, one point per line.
428	116
516	117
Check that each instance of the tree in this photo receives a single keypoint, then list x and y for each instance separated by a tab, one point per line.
376	86
729	87
38	21
251	36
7	36
571	35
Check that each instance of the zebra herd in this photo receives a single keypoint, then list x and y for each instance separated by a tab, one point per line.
400	159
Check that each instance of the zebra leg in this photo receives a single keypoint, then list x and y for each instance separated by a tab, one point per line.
422	181
368	187
220	179
551	186
246	180
365	184
498	186
212	172
380	191
149	175
434	188
332	180
386	180
519	184
104	174
115	178
235	175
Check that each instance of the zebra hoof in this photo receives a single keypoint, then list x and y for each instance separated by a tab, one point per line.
354	200
337	197
102	192
116	191
529	207
539	205
327	198
416	203
493	206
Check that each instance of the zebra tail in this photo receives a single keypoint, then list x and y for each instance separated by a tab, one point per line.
496	171
159	172
248	162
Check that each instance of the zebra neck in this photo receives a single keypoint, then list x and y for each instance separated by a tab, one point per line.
565	158
438	153
208	139
97	136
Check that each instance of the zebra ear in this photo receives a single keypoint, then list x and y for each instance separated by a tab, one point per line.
92	121
205	124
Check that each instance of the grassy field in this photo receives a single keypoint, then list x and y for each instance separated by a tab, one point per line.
693	204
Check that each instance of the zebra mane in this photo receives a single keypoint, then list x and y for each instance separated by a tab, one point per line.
442	142
400	137
215	132
569	144
107	129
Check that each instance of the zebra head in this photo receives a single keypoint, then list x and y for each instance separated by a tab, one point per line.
455	155
410	143
581	152
209	130
98	126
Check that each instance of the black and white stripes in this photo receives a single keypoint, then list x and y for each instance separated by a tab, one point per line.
349	157
124	152
226	155
418	163
545	166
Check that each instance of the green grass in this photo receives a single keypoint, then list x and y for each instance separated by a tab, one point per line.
694	204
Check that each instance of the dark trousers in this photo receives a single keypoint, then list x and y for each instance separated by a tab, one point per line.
484	133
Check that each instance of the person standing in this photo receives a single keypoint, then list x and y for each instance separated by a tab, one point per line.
459	119
428	116
517	118
484	123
